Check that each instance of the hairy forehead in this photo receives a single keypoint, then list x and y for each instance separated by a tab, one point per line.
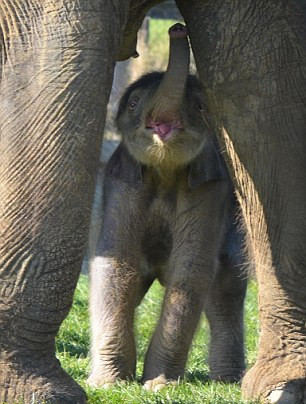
151	81
142	92
148	81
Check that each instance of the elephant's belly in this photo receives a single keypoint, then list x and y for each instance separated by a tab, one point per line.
157	242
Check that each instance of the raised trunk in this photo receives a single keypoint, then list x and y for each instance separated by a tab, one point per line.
167	100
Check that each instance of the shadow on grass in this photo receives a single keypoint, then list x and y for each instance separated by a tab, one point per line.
189	377
75	349
197	375
166	401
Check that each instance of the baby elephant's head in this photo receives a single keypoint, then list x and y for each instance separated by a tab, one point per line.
162	116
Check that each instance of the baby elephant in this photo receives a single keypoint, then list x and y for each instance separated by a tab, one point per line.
169	214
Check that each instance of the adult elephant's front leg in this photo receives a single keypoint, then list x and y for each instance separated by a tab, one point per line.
56	67
253	64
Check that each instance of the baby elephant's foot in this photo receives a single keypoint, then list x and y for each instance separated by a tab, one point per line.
227	375
158	383
96	380
104	383
106	376
105	379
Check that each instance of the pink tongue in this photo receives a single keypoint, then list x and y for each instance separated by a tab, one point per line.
162	129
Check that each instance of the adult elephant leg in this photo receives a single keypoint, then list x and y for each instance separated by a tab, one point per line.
251	58
56	67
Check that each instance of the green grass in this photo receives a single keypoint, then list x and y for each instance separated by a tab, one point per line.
73	351
158	44
155	55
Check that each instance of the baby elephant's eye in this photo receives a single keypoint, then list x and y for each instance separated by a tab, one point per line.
133	103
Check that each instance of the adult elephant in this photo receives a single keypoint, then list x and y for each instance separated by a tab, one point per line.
56	65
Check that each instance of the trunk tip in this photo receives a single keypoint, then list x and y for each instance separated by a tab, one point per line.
178	30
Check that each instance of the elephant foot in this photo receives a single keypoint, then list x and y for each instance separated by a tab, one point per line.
105	379
227	375
97	380
27	380
226	362
158	383
104	384
282	384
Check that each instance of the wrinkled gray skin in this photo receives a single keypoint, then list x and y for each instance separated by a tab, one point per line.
169	217
56	68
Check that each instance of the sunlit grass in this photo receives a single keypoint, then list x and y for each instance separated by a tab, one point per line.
156	57
73	351
158	49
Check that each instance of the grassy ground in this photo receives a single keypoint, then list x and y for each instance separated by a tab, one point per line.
73	351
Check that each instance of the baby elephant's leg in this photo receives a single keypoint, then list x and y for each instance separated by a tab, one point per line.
191	273
116	289
224	310
166	358
192	268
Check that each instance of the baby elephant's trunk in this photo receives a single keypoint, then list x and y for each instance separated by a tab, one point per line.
167	101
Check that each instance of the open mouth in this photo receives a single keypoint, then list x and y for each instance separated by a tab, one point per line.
164	130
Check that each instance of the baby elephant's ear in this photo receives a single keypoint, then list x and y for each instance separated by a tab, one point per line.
209	165
124	167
